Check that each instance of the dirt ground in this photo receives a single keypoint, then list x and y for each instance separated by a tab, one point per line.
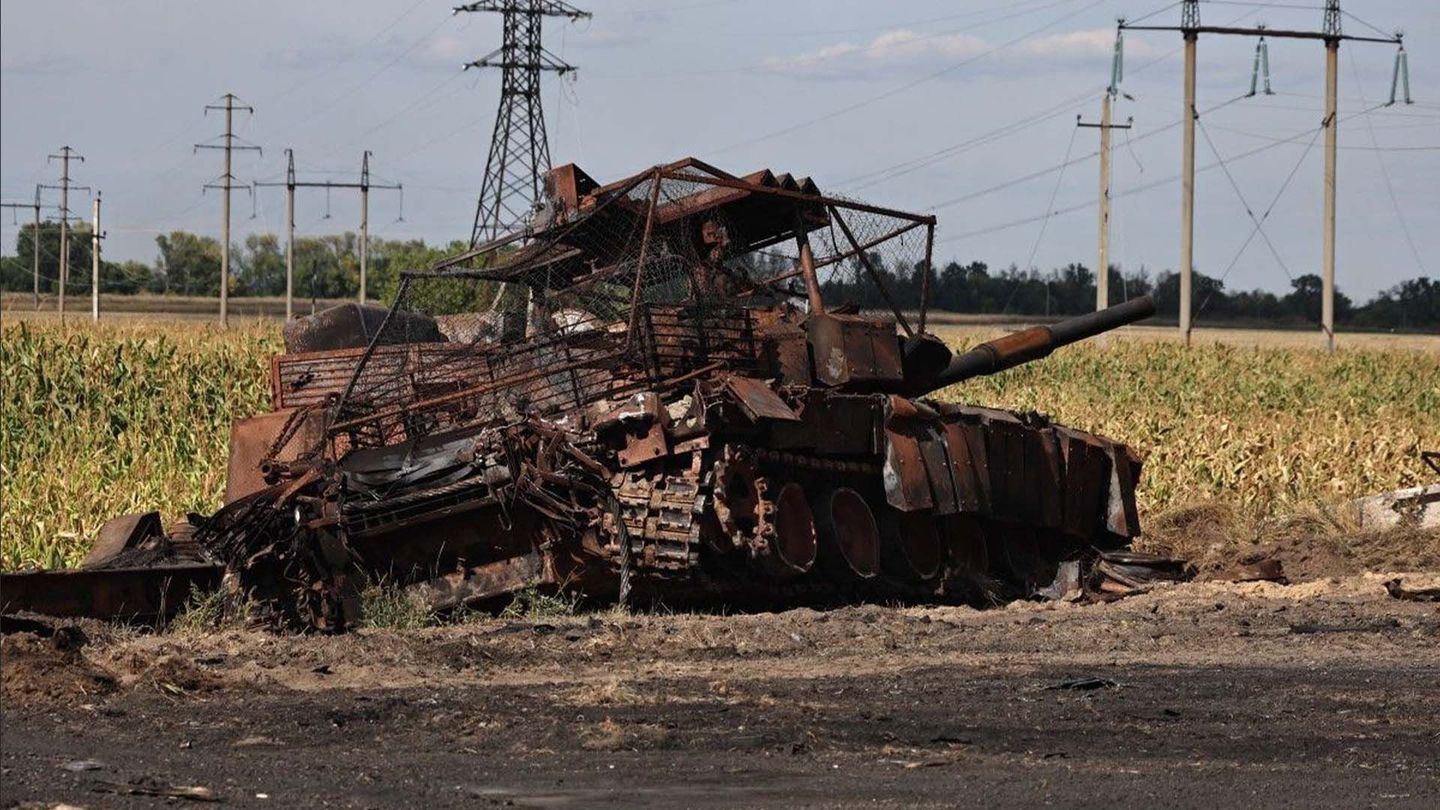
1198	695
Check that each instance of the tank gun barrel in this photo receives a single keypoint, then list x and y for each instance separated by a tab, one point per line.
1038	341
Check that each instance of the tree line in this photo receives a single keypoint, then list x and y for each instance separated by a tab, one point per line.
329	267
1070	290
189	264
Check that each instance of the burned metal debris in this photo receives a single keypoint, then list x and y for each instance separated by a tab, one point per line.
647	396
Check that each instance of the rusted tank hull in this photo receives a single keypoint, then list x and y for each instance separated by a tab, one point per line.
627	402
766	495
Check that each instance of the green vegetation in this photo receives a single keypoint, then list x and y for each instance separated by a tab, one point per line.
328	266
100	421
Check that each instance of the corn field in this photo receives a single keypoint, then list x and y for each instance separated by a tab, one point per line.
122	418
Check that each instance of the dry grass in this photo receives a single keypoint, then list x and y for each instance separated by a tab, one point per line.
128	416
1260	430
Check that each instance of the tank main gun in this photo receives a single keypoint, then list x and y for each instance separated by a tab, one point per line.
1036	342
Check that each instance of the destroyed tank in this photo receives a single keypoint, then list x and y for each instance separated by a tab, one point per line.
664	389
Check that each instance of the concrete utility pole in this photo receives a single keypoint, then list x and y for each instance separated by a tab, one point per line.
1332	36
1102	266
95	238
226	183
66	155
290	234
364	186
1187	180
364	221
34	239
1327	250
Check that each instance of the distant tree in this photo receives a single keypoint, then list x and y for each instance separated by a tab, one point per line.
188	264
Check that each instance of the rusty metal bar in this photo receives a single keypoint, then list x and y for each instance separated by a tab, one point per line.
818	199
836	259
874	274
107	593
929	271
621	189
640	263
807	269
374	341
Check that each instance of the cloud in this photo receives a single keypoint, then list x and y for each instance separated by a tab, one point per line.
445	51
904	50
46	64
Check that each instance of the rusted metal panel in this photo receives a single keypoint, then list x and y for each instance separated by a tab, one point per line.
118	534
853	350
758	400
253	441
1087	473
938	468
968	471
1042	476
482	582
907	484
1121	516
107	593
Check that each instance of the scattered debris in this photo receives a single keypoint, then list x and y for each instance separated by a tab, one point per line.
1270	570
1396	588
1118	574
1084	684
147	786
1414	507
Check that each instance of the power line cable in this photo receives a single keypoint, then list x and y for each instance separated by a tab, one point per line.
907	86
1278	194
1385	173
1258	221
1154	184
1045	223
1063	164
905	167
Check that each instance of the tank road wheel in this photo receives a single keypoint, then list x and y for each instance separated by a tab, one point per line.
737	501
912	548
849	535
785	543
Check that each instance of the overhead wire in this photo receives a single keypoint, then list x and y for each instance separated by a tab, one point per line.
905	167
905	87
1128	192
1235	186
1044	223
1278	194
1258	222
1385	173
1063	164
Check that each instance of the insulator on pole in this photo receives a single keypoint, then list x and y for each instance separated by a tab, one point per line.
1261	69
1117	63
1400	80
1265	65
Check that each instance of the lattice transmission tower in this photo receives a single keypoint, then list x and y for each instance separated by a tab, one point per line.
519	150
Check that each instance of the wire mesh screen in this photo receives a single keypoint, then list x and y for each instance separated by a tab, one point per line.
635	286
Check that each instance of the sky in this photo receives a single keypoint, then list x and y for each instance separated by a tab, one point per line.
943	106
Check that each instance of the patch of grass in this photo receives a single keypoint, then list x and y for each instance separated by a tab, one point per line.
1267	430
203	611
100	421
387	607
534	603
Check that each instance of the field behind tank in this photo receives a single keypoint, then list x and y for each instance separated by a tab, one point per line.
102	420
